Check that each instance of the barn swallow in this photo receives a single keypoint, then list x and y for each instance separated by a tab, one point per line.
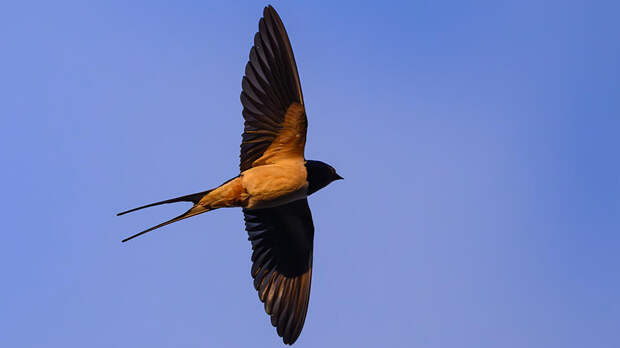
274	182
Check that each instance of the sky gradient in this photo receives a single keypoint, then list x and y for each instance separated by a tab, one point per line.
478	141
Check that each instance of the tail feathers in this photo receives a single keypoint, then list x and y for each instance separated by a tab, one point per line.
194	198
195	210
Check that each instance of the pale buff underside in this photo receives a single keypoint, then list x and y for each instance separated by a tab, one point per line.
277	177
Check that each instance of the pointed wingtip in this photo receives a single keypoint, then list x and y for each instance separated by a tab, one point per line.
268	9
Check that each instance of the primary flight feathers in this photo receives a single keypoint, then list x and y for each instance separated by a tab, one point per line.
271	92
274	180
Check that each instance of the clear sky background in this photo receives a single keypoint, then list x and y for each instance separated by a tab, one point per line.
478	140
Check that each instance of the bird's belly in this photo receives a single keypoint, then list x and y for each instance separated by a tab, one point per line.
271	185
274	201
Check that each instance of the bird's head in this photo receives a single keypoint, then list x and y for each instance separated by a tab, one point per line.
320	175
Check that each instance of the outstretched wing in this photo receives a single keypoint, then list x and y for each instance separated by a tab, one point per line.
282	242
273	105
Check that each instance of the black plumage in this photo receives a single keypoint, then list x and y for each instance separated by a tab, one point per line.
282	243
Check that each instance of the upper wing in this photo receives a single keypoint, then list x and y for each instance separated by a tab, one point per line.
273	105
282	242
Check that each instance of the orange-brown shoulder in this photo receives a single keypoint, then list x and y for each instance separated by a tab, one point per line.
291	139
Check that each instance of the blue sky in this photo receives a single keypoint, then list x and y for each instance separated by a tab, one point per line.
478	141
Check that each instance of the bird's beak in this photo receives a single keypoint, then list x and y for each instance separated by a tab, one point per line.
338	177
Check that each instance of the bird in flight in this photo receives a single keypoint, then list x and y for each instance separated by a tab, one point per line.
274	182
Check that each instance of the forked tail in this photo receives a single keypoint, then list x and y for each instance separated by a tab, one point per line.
195	210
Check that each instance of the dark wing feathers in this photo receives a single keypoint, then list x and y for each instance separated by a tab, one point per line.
270	85
282	236
282	242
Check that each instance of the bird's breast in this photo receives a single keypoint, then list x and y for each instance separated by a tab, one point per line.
275	184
